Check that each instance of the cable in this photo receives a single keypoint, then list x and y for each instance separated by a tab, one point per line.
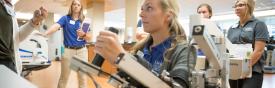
188	59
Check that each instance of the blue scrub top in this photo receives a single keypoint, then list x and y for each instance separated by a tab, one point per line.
70	27
155	55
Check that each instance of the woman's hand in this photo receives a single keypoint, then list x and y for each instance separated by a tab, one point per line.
81	33
108	46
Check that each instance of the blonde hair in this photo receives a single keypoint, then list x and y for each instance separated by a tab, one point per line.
175	29
250	5
81	16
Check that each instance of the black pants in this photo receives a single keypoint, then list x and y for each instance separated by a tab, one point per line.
9	64
255	81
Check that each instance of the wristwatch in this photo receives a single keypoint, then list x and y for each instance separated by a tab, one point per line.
119	57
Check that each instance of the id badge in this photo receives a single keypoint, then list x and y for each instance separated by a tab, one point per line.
72	22
248	29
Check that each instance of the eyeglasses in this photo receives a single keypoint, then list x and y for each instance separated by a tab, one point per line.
239	5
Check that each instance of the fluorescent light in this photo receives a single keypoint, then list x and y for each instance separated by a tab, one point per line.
21	15
234	16
224	17
264	13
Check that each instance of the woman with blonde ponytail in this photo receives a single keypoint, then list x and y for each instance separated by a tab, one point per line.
165	48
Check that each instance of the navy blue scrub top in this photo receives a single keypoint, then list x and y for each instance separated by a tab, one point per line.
155	55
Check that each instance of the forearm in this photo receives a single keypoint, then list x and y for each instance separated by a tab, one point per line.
25	30
257	52
256	55
52	29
